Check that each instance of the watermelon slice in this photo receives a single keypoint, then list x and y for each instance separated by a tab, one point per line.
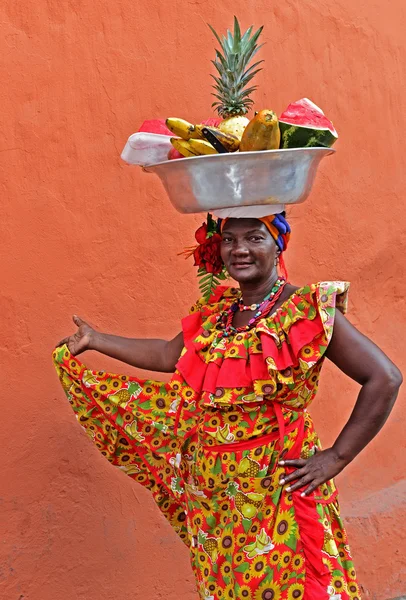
155	126
304	125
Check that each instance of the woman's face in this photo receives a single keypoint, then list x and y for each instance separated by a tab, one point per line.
248	250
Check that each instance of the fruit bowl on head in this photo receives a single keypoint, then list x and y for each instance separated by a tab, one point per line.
217	181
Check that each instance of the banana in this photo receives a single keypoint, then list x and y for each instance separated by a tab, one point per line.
263	540
181	128
230	142
184	147
264	537
262	545
89	379
224	435
202	147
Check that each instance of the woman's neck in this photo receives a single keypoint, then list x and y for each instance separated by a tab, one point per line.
254	293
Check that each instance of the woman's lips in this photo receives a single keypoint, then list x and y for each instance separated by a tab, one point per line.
241	265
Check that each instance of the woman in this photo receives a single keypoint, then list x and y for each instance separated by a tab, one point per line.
227	447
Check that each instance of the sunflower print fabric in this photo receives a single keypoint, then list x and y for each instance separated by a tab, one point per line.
207	445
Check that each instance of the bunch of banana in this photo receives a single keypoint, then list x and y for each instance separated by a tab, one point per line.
262	545
191	141
192	147
183	129
223	435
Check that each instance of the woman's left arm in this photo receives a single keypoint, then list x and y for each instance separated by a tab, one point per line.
365	363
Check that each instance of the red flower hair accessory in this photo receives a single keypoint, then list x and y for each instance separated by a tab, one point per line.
211	269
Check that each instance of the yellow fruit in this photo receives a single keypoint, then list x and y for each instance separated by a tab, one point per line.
224	435
120	397
230	142
255	497
243	466
180	127
210	545
248	468
184	147
234	126
202	147
248	510
261	133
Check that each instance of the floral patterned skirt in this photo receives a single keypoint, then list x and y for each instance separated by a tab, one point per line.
248	537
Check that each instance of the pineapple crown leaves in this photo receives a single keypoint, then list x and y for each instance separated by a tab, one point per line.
232	489
201	537
231	93
133	387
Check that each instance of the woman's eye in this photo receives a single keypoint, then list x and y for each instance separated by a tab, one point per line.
226	239
255	238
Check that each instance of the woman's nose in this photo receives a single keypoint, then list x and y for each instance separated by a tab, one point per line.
240	249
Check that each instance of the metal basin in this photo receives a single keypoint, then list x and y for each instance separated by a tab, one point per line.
207	183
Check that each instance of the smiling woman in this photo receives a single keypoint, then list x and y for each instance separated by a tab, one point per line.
227	446
248	249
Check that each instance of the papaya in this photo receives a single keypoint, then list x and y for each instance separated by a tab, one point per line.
261	133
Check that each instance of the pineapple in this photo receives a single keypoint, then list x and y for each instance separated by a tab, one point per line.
248	467
210	545
233	96
246	504
306	452
124	396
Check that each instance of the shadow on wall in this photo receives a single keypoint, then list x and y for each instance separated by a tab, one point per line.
377	527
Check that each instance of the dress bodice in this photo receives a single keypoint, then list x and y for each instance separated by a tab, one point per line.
278	360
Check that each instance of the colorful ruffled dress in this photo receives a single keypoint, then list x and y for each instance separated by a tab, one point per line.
207	445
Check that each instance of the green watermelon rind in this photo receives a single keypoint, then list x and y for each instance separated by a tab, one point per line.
299	136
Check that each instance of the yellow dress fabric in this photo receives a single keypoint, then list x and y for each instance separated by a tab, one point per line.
207	445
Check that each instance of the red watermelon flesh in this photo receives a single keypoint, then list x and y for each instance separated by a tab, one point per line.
155	126
159	126
303	124
215	122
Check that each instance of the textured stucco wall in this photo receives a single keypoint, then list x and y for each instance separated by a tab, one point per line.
81	232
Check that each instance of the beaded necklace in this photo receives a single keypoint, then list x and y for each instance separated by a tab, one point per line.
242	306
225	320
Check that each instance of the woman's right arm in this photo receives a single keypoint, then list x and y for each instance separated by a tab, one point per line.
149	354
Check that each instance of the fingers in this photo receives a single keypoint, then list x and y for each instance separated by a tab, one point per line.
313	486
62	342
301	476
77	320
294	462
295	475
305	480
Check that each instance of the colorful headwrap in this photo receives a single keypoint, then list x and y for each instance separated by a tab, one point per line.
277	226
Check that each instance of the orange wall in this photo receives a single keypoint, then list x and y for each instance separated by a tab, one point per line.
81	232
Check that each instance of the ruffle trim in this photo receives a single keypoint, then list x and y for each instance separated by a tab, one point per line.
282	348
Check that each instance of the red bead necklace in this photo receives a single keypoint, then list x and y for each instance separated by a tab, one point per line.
264	308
